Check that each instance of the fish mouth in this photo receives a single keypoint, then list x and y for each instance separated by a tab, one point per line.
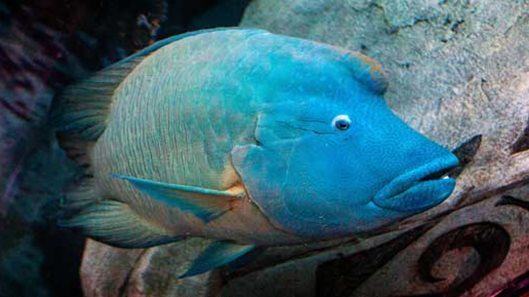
420	188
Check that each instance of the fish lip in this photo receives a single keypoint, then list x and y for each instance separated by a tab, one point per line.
402	183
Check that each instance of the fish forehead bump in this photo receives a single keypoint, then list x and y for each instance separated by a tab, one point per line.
260	56
323	60
376	79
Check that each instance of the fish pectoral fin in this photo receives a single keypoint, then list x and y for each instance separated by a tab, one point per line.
206	204
115	223
217	254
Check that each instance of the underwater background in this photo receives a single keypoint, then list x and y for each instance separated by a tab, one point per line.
458	70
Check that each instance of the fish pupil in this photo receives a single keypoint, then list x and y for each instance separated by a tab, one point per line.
342	125
341	122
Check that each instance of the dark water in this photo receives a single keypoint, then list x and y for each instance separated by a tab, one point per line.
44	46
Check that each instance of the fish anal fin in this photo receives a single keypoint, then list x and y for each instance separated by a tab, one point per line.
217	254
115	223
206	204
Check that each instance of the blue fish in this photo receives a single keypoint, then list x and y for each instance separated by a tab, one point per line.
247	137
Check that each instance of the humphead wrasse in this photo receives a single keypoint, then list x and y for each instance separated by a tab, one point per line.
247	137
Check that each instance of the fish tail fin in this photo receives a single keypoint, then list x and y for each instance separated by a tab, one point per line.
111	221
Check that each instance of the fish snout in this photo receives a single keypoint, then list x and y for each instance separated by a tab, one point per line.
420	188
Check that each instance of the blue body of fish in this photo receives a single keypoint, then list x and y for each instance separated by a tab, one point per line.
244	136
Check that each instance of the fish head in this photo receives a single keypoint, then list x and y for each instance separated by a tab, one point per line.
330	158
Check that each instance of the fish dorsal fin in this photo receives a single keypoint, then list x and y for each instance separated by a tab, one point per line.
367	71
83	108
217	254
206	204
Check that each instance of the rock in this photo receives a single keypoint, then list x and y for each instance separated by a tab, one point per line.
107	271
99	279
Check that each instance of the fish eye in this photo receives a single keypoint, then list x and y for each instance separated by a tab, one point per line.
341	122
